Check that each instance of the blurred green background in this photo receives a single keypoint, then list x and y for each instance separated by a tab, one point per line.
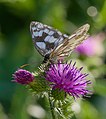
16	49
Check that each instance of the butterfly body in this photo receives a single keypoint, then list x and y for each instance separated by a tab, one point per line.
52	44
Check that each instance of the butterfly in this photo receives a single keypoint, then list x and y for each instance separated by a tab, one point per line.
52	44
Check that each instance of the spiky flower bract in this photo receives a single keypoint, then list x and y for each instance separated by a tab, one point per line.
68	78
23	76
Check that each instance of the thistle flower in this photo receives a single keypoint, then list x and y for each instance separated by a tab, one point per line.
68	78
23	76
86	48
92	46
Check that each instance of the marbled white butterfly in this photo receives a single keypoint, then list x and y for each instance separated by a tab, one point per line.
52	44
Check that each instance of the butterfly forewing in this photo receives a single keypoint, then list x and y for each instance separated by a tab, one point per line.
70	43
45	38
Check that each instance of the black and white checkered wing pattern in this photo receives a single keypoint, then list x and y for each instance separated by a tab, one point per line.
45	38
70	43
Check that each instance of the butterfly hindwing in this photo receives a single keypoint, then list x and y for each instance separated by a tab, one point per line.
45	38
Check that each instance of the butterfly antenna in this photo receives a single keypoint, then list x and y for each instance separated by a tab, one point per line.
24	65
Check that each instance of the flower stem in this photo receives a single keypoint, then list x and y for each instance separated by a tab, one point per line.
51	106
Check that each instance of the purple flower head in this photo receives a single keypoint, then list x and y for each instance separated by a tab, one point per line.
92	45
87	47
68	78
23	76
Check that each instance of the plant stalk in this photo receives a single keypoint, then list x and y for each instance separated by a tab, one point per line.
51	106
